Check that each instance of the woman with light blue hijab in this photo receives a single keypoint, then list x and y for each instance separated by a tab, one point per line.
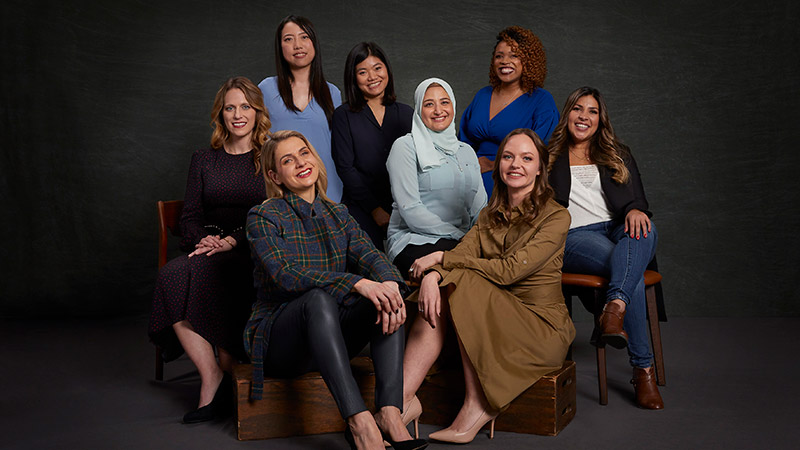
436	180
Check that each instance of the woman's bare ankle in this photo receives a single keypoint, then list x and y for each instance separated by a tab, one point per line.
389	421
365	431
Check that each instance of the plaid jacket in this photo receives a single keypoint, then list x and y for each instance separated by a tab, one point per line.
297	246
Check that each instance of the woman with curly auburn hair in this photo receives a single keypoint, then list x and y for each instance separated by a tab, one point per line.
596	178
515	98
202	299
506	304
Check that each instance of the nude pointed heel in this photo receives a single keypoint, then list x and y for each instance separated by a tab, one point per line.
465	437
411	413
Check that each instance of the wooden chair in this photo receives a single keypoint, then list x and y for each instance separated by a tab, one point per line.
169	214
573	284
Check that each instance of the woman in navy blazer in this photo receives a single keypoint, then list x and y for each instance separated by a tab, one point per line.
363	131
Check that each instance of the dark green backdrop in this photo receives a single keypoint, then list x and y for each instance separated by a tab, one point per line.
104	102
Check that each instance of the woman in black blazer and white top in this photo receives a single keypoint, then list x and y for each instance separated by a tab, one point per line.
596	178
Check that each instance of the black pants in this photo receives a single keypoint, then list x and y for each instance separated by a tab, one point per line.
313	332
411	252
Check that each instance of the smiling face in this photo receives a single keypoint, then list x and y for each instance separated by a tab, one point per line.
237	114
295	168
437	109
519	165
296	46
583	119
506	63
371	77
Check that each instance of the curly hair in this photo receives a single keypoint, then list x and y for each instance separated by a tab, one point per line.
268	164
530	51
254	97
539	196
604	147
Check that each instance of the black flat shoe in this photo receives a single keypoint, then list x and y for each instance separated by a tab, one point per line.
203	414
218	407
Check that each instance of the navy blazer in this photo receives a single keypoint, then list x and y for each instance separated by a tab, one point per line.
360	147
621	197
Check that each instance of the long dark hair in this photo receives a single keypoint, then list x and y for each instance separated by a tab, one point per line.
353	95
319	88
604	147
541	193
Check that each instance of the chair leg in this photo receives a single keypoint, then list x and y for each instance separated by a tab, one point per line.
655	335
159	365
602	380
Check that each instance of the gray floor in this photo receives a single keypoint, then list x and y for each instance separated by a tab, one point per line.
731	383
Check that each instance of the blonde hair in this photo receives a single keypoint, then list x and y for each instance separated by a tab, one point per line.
268	164
254	97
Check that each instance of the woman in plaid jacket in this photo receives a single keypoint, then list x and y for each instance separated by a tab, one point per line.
324	292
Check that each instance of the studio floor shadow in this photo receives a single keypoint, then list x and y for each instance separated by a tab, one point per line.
88	384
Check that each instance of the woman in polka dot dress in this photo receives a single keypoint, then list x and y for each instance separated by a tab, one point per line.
202	300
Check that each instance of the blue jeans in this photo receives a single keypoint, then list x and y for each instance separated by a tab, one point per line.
604	249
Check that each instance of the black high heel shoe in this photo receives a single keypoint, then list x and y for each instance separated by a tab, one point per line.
411	444
216	408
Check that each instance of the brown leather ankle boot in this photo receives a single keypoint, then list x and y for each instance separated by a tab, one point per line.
644	384
610	323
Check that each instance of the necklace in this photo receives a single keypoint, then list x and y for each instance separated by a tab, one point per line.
584	158
507	98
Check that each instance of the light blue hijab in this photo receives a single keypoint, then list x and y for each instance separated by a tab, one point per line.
429	144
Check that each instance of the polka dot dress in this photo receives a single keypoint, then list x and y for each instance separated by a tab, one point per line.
214	293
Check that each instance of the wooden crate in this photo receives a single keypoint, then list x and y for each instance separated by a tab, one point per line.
294	406
545	408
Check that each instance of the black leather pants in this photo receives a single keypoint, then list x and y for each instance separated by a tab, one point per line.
314	333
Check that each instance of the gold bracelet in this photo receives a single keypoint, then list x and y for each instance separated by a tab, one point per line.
229	242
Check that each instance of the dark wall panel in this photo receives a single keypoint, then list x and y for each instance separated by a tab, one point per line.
104	102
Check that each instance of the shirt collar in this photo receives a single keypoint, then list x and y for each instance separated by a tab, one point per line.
300	206
509	215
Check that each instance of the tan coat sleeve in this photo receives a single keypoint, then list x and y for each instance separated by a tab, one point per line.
469	246
544	245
